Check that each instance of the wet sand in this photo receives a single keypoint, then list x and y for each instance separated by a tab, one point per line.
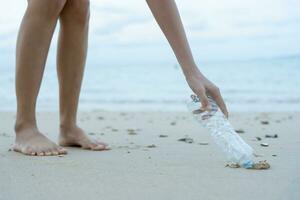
147	160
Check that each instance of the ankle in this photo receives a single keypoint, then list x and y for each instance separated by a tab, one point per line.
67	127
67	121
22	124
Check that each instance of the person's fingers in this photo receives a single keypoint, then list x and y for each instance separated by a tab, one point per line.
203	99
222	106
216	94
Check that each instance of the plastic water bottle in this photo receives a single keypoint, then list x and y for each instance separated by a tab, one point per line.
233	146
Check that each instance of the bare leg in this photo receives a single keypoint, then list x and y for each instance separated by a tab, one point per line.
33	43
168	18
72	50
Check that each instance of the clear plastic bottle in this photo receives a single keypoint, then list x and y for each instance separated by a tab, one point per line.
233	146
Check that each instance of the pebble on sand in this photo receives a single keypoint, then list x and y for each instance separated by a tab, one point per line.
4	134
258	138
203	143
271	136
173	123
186	139
131	131
239	131
151	146
264	122
163	136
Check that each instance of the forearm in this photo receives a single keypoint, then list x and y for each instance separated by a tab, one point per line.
168	18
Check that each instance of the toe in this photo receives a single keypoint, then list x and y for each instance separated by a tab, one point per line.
17	148
54	152
28	151
101	143
105	145
34	152
91	146
107	148
24	150
40	153
48	153
98	147
62	150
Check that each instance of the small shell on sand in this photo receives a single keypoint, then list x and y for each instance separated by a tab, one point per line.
233	165
261	165
264	144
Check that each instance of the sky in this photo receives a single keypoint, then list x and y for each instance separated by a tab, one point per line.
216	29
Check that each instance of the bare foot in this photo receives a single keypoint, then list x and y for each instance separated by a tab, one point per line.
75	136
30	141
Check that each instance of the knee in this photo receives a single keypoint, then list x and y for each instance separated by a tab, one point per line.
47	8
81	11
57	5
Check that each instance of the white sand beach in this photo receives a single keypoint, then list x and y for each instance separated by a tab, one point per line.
149	162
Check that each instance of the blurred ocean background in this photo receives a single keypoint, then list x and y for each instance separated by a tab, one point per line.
250	49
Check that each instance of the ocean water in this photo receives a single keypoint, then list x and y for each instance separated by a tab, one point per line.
248	85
